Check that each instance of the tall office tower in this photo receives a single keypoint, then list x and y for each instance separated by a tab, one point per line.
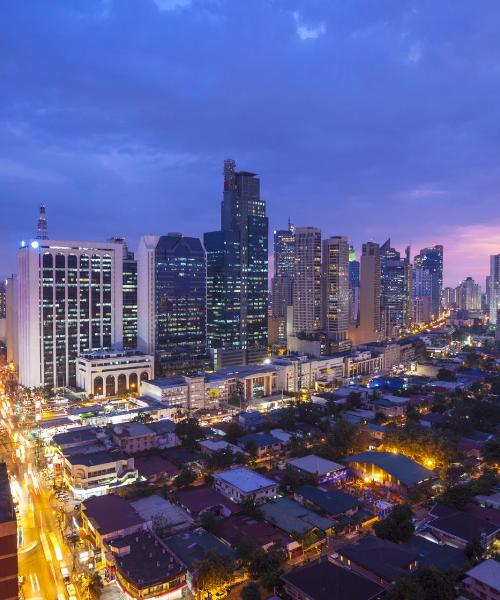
11	319
3	300
307	280
69	302
353	287
488	292
129	295
42	232
370	325
282	283
335	304
237	272
172	302
422	291
468	295
395	296
432	260
9	583
494	287
449	297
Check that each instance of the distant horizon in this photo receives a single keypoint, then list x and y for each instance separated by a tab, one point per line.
368	120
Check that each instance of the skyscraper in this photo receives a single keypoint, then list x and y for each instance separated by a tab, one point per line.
422	291
396	286
494	291
129	295
432	260
307	280
282	283
3	300
369	312
172	302
69	302
353	287
468	294
335	305
237	272
42	232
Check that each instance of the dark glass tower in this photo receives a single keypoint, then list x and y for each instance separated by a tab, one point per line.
431	259
395	293
282	284
180	303
237	263
129	295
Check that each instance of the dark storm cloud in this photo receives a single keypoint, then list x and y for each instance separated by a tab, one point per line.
370	119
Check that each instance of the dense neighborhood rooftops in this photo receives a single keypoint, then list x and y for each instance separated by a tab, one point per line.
290	516
111	513
323	580
333	502
406	470
192	546
315	465
245	480
488	573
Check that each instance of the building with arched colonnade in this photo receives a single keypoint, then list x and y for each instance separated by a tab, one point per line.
112	373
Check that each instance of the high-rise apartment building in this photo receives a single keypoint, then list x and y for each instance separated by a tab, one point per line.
69	302
449	297
3	300
172	302
370	324
335	279
468	294
494	291
307	280
432	260
354	272
129	295
11	307
282	283
237	272
422	292
396	290
9	586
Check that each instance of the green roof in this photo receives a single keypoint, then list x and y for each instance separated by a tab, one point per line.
334	502
290	516
404	469
194	545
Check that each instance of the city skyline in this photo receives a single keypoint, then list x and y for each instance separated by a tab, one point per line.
405	161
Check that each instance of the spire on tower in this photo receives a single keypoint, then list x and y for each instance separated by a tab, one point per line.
42	232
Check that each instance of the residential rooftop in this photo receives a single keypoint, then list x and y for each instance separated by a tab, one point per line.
245	480
464	526
487	572
260	440
315	465
290	516
94	459
333	502
192	546
404	469
111	513
154	506
77	435
203	497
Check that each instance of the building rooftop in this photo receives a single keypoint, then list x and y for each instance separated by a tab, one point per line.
441	556
240	527
192	546
111	513
290	516
333	502
487	572
203	497
260	440
162	427
245	480
148	560
406	470
217	445
315	465
168	382
323	580
77	435
132	429
464	526
155	506
155	465
95	458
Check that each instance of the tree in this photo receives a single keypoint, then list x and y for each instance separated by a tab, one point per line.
436	584
213	572
189	432
446	375
250	592
93	586
474	550
267	566
233	432
492	452
143	417
405	588
398	526
208	520
185	478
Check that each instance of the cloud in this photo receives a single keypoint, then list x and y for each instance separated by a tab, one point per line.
414	54
307	32
11	170
170	5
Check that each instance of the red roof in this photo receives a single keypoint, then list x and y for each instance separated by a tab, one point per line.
203	497
155	465
111	513
239	527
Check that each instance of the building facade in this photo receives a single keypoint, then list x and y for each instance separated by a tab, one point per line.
335	279
69	303
432	260
307	280
468	295
237	271
282	283
395	290
370	324
494	287
8	540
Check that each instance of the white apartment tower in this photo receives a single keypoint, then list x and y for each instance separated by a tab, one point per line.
307	280
69	303
335	271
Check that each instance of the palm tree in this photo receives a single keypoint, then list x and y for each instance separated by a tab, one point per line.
93	586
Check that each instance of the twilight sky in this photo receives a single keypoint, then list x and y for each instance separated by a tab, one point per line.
367	118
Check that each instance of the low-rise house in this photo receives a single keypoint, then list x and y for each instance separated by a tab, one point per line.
491	501
165	433
379	560
162	514
251	420
387	407
297	520
73	440
391	470
242	484
376	432
460	528
483	580
110	516
333	503
324	580
321	469
145	568
155	467
210	447
430	554
241	527
265	444
134	437
202	498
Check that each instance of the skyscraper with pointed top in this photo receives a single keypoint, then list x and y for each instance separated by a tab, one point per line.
42	232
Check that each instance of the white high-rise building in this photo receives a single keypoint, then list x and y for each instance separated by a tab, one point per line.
69	303
494	291
11	318
370	323
468	295
335	275
307	280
